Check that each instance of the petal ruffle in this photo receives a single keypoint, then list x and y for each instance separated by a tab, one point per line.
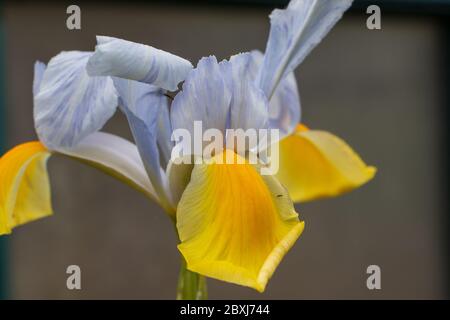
316	164
234	224
24	186
205	97
135	61
220	96
249	107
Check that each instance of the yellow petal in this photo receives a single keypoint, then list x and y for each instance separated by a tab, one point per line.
315	164
24	186
234	224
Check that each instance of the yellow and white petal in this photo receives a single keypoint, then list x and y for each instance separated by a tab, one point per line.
234	224
24	183
24	186
115	156
316	164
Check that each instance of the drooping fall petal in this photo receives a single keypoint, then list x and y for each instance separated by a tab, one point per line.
115	156
316	164
24	181
234	224
24	186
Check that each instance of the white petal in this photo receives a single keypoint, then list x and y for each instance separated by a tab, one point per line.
70	105
135	61
113	153
294	32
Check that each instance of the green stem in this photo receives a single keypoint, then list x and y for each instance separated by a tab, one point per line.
191	285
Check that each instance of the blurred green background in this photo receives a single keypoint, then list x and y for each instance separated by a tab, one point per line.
385	92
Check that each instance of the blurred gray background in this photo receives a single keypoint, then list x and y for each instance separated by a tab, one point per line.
378	90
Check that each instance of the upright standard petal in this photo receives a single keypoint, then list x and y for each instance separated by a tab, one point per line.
249	106
294	32
142	105
220	96
205	97
316	164
135	61
24	186
284	105
228	211
69	104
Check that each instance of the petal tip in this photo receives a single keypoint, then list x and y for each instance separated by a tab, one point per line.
277	254
228	272
24	186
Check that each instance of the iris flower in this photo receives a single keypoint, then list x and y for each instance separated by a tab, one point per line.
234	224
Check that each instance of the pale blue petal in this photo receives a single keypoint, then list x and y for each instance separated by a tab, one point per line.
205	97
165	143
142	99
284	106
70	105
294	32
39	68
147	102
145	138
135	61
249	105
142	105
